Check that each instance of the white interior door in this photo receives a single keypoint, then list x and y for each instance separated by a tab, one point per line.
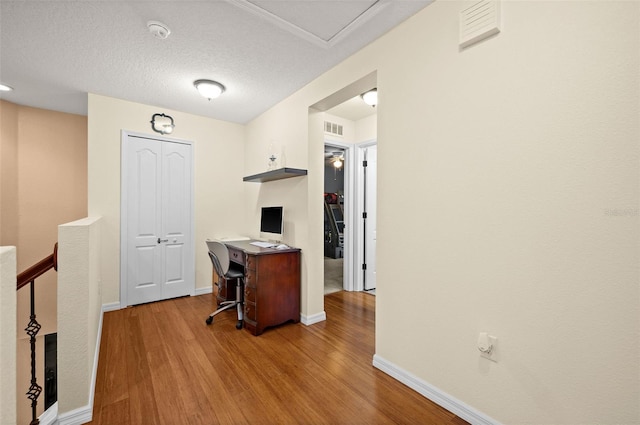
370	234
157	258
176	219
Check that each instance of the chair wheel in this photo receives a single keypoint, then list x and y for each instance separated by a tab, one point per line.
239	324
209	320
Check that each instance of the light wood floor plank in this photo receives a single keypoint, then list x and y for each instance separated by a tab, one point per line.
161	364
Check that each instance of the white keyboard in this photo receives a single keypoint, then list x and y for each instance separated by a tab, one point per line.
263	244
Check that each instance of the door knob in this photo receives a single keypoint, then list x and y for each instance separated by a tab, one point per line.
162	240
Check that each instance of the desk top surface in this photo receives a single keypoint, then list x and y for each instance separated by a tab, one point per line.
256	250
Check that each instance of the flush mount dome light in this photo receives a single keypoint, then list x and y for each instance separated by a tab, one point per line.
370	97
209	88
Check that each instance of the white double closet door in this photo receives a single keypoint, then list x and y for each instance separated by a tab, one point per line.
157	259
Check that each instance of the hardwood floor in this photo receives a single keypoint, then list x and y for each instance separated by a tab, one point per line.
161	364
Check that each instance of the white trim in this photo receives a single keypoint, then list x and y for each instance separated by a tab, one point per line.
434	394
78	416
358	229
203	291
84	414
96	356
304	34
313	319
110	307
49	416
349	252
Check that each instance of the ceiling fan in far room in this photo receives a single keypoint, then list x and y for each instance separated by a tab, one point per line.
335	157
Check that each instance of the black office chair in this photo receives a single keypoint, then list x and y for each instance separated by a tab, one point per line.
219	254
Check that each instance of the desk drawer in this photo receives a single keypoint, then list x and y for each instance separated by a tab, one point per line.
251	262
250	278
236	255
250	311
249	294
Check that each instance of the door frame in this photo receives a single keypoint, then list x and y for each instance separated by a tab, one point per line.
349	253
353	275
357	214
124	175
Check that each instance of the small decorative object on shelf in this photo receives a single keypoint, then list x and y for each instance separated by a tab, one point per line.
272	164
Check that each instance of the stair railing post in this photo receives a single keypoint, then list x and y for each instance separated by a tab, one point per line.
32	330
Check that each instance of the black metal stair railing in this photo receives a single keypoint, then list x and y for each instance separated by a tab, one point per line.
29	277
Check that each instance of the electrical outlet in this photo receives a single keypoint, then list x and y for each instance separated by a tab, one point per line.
487	346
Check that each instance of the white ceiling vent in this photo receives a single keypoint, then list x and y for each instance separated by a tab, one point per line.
158	29
479	21
333	128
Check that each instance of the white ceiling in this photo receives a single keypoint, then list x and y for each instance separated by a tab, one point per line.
54	52
353	109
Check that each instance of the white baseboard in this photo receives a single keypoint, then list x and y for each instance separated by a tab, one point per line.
110	307
49	416
314	318
78	416
434	394
204	291
84	414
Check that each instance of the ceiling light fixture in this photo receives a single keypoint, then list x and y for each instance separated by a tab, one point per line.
4	87
370	97
337	159
209	88
161	123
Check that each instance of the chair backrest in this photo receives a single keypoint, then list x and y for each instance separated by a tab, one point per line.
219	254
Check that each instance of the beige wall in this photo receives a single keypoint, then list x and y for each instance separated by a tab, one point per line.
8	173
288	126
218	152
8	333
508	197
44	184
44	167
366	129
348	129
362	130
79	312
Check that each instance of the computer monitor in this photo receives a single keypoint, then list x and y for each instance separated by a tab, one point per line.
271	223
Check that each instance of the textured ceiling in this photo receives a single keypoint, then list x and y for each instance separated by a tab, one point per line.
54	52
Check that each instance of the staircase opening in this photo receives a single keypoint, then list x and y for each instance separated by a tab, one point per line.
50	370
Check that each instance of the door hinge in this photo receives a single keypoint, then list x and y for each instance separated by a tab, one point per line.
364	266
364	215
364	163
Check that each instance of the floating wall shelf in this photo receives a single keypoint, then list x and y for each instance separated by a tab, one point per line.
282	173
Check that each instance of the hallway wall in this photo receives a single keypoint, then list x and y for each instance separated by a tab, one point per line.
508	191
44	184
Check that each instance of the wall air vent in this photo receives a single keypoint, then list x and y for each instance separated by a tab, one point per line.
479	21
333	128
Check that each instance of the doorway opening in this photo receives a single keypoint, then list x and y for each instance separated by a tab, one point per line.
334	217
349	197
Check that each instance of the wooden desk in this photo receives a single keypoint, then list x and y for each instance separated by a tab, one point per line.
272	284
